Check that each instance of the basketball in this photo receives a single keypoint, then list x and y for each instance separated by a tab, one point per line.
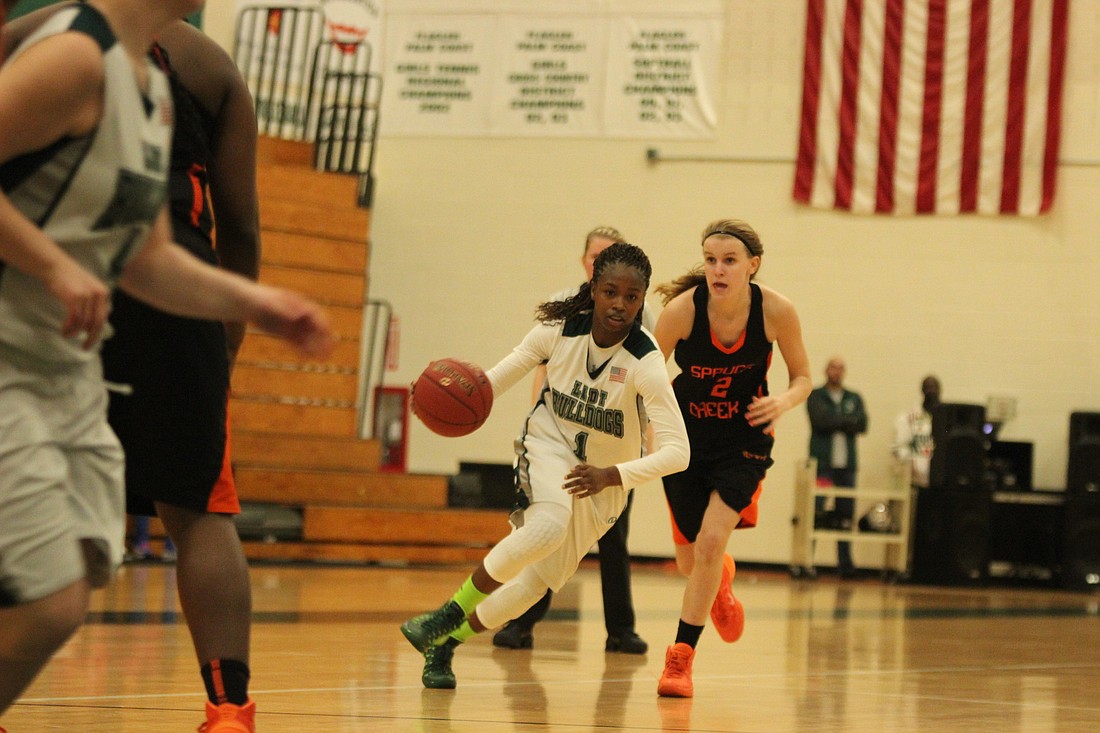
452	397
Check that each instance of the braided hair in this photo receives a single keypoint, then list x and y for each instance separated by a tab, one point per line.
727	228
620	253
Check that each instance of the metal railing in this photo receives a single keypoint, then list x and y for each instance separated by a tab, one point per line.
306	87
272	46
375	344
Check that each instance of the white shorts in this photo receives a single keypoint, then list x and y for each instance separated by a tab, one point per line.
542	469
61	481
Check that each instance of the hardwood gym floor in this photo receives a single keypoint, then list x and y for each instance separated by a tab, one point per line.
817	655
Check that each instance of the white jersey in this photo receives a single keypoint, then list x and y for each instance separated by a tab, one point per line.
599	414
96	196
913	442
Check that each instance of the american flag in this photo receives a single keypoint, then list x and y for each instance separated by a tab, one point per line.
618	374
931	106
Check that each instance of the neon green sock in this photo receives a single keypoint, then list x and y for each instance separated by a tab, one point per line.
468	596
463	632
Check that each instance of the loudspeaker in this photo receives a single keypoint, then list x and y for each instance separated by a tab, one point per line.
1010	463
1081	543
483	486
951	537
1083	470
1028	537
958	455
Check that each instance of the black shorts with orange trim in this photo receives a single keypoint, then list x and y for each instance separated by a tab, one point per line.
736	479
173	427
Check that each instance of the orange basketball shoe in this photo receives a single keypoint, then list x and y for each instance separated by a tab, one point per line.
229	718
676	679
726	611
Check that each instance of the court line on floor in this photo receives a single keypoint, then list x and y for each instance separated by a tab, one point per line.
748	676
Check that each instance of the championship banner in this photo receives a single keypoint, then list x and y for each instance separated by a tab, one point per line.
619	69
437	74
663	77
549	77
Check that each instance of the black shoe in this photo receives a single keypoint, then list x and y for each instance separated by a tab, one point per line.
847	572
627	643
514	636
438	674
430	628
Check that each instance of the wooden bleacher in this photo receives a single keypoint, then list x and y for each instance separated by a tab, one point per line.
294	423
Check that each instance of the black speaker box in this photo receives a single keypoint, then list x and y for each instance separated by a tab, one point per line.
952	418
958	456
1081	543
1027	537
1010	463
1082	425
951	537
1083	470
483	486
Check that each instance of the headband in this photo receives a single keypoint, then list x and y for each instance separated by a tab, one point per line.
728	233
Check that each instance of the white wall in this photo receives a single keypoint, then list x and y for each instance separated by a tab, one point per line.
469	234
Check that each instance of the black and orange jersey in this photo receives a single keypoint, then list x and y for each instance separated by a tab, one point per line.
717	383
188	201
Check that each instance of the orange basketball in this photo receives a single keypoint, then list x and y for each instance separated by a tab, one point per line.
452	397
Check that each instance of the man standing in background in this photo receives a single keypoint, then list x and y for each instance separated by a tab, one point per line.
913	432
837	416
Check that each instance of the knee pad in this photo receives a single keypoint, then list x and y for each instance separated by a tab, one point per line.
510	600
545	527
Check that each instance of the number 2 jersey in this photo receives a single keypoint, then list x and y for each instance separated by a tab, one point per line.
599	414
716	383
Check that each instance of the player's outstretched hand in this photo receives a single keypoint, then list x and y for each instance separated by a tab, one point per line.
86	299
296	319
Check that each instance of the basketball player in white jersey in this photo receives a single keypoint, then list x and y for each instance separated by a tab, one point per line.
87	123
579	455
618	600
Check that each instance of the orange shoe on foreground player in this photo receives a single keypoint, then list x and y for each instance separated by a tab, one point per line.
229	718
726	612
676	679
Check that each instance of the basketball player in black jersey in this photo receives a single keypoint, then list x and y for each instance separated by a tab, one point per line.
173	425
721	326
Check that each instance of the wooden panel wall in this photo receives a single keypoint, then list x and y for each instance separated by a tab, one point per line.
294	421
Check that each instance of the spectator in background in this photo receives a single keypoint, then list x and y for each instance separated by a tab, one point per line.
837	416
139	542
913	432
